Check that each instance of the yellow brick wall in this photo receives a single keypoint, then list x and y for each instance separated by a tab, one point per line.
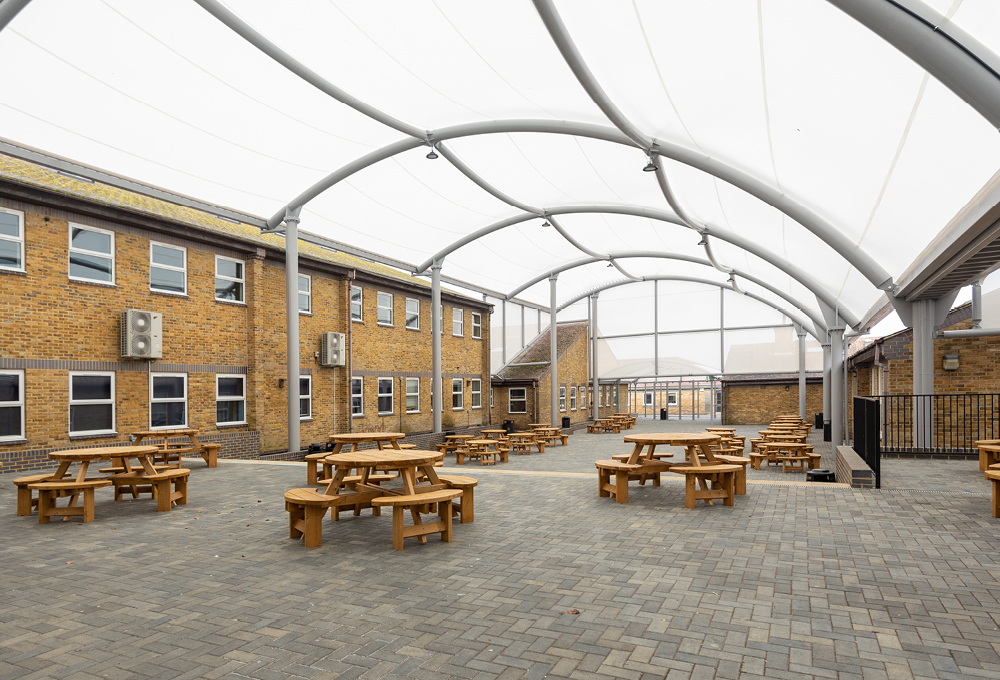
760	404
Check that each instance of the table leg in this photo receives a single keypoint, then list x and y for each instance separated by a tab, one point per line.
147	466
333	488
430	474
408	474
633	458
395	445
61	472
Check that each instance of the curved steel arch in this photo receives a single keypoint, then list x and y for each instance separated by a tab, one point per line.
817	319
804	323
662	215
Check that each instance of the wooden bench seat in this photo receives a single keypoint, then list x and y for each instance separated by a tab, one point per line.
350	482
793	463
306	508
49	491
26	501
169	487
442	498
463	507
708	482
623	473
312	463
741	474
994	476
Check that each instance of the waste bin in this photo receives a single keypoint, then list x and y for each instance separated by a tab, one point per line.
508	425
826	432
820	475
565	421
663	414
819	421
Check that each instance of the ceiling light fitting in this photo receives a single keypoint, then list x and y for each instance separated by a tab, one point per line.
703	241
433	153
546	224
650	166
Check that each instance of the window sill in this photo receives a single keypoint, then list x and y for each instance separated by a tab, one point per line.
223	426
412	329
12	442
357	321
357	415
168	428
13	272
456	335
386	325
169	294
387	413
237	303
93	435
306	420
102	284
301	313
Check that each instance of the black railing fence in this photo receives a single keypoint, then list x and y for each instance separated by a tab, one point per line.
937	423
867	434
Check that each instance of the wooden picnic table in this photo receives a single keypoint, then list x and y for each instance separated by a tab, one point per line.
535	425
494	434
459	437
989	453
720	430
695	445
120	454
169	450
476	448
521	442
380	439
406	463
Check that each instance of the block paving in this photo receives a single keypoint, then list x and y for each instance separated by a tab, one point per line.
797	581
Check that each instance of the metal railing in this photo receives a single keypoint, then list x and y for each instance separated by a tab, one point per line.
937	423
867	434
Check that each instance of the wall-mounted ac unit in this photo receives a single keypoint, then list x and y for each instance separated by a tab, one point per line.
142	334
333	350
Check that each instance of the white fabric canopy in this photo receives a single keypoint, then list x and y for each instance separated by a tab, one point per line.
795	94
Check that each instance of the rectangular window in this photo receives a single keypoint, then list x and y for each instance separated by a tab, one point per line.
356	297
614	393
672	399
167	268
385	309
477	393
491	397
229	279
413	395
458	322
413	314
305	294
91	403
357	396
11	405
11	241
572	398
91	254
456	394
600	396
305	397
517	400
477	326
167	400
230	399
562	399
385	406
647	398
583	398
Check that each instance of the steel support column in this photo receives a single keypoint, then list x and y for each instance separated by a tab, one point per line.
827	362
923	370
595	397
836	387
436	344
656	328
553	359
292	326
802	371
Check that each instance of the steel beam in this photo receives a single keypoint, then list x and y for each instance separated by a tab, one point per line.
9	9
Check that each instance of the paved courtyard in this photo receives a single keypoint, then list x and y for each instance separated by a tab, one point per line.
797	581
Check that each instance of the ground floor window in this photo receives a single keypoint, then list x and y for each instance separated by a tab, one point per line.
477	393
647	398
385	395
11	405
671	399
456	394
562	399
305	397
357	396
572	398
413	395
517	400
230	399
167	400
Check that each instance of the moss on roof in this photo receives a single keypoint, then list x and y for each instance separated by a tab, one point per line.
29	173
566	334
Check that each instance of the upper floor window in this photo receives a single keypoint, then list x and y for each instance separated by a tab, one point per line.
356	297
305	294
91	403
11	241
11	405
457	322
477	325
229	279
167	268
385	309
413	314
91	254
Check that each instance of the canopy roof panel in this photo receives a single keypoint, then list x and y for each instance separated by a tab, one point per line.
818	157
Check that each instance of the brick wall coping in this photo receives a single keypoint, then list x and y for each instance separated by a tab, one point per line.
853	470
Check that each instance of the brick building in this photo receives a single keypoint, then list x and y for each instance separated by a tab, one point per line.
521	390
758	399
74	254
680	398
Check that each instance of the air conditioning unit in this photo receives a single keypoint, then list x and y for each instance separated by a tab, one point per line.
333	351
142	335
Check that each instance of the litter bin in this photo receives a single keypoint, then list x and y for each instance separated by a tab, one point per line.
826	432
565	421
663	414
819	421
508	425
820	475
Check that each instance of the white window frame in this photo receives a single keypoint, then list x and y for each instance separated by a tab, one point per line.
600	396
572	398
88	402
391	394
360	395
379	307
476	391
459	324
477	326
511	399
583	397
647	398
15	404
562	400
460	394
309	396
491	397
671	399
242	280
19	239
155	265
360	304
408	393
219	398
94	253
187	410
308	293
406	321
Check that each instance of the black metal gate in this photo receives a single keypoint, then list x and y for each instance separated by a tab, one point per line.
868	435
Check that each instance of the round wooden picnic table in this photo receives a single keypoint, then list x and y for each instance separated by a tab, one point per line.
86	456
786	437
695	445
500	432
407	463
730	430
460	437
355	438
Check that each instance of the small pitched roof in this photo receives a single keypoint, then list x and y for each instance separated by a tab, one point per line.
538	351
